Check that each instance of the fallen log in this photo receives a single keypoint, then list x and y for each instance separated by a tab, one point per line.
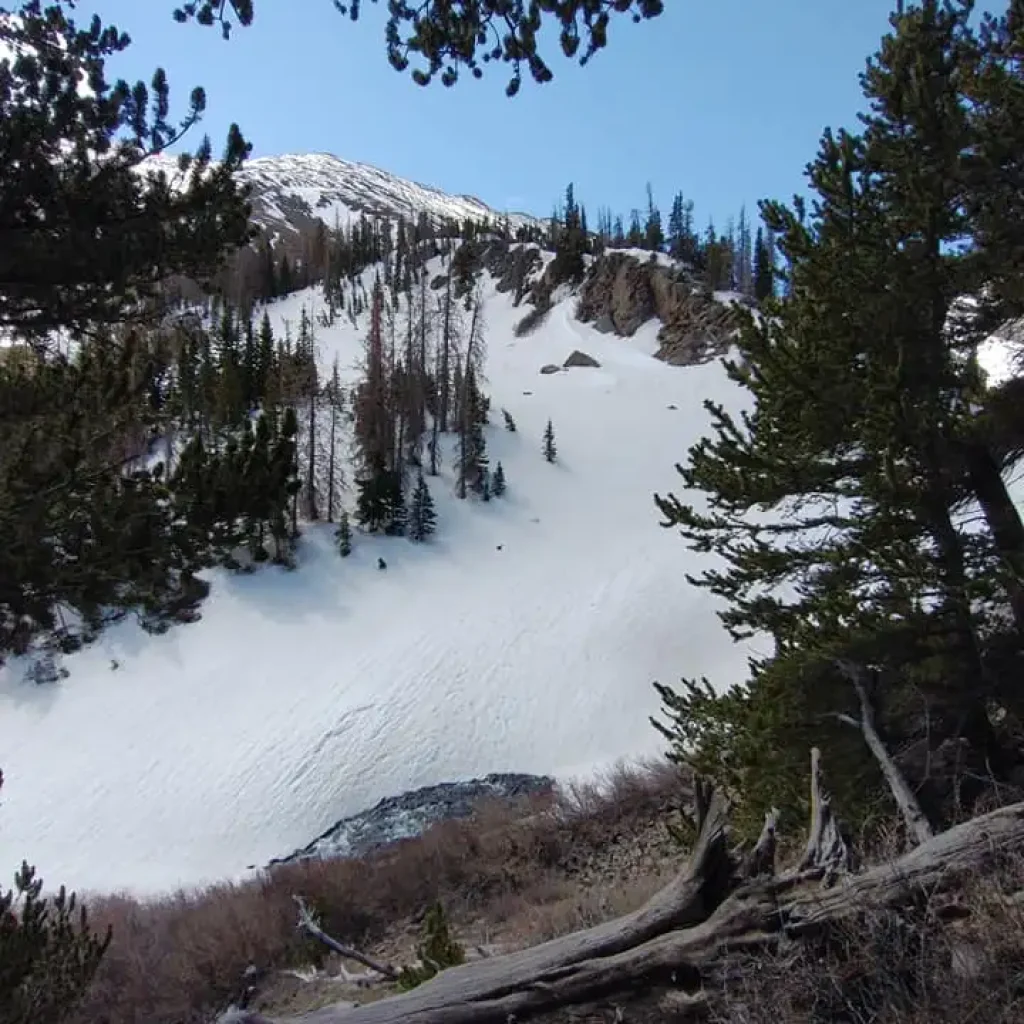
614	959
717	905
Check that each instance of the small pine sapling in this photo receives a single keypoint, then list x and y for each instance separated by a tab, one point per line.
343	535
437	951
550	451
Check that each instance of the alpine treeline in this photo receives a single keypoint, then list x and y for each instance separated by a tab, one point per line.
860	513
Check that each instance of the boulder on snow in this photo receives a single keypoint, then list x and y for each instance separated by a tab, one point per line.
579	358
550	368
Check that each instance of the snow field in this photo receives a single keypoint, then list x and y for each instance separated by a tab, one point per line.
302	697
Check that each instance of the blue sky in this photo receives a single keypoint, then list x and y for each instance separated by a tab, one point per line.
724	100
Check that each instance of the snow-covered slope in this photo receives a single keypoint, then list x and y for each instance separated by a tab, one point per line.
523	638
335	189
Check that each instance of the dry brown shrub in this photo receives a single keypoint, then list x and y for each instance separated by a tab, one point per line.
182	959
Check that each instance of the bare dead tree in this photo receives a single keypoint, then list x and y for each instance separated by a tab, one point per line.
918	826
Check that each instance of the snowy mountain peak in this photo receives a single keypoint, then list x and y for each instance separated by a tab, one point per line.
325	187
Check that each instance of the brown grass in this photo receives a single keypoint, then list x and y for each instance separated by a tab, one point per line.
182	960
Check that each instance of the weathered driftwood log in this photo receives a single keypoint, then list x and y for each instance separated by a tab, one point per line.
679	934
761	859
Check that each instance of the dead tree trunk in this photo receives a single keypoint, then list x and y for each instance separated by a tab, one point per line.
916	820
827	847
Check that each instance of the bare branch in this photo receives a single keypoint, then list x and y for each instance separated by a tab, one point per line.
308	924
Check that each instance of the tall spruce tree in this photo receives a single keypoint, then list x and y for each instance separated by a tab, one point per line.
764	265
654	237
569	241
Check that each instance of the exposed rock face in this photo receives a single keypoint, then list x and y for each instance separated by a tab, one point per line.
618	295
513	266
405	816
579	358
550	368
621	293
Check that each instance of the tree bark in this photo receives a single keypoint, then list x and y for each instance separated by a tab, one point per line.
826	845
1003	520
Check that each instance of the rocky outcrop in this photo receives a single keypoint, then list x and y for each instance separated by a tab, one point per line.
621	293
410	814
618	295
550	368
512	266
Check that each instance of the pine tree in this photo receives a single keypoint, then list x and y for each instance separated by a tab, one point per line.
446	45
682	241
764	266
550	451
569	242
343	535
653	236
472	442
266	371
88	239
635	237
284	486
285	277
744	257
257	498
48	951
422	517
335	403
439	950
498	484
860	386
